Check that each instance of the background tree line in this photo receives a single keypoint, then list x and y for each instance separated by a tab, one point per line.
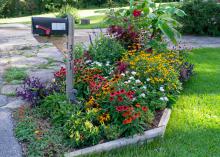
12	8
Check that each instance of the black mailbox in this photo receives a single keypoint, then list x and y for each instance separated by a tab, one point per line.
49	26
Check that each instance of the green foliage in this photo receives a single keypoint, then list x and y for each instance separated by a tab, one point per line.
15	8
202	17
57	108
15	74
78	50
40	139
156	21
65	10
82	130
25	129
161	1
106	50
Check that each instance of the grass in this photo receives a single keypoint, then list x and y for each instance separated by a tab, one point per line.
50	62
194	127
95	22
14	75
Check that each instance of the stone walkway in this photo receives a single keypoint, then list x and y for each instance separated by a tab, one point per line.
19	49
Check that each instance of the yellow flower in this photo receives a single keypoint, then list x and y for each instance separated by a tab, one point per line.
88	124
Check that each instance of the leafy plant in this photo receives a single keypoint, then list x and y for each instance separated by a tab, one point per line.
106	50
186	71
57	108
32	91
39	137
82	130
67	9
148	20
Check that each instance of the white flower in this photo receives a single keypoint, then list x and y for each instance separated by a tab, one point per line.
137	81
144	87
133	99
126	82
98	63
126	72
111	72
122	74
164	99
148	79
88	61
142	95
131	78
133	73
162	89
107	63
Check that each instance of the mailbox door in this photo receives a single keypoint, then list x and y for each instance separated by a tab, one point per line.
55	26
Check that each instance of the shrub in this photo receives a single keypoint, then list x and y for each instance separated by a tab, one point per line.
57	108
145	24
106	50
65	10
202	17
81	129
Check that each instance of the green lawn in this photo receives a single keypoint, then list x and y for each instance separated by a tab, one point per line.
194	127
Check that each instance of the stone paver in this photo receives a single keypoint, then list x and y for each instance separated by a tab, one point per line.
25	62
15	104
45	75
3	100
9	89
9	146
50	52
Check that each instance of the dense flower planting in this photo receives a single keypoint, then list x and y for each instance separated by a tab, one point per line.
119	88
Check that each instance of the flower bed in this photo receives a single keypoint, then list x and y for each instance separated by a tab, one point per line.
123	80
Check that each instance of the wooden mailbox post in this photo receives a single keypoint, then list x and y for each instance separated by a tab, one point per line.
59	32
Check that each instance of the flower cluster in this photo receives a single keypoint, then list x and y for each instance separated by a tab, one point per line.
61	73
131	113
156	68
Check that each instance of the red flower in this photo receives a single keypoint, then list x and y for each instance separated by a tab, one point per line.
122	108
120	99
61	72
111	99
112	94
144	108
137	13
123	91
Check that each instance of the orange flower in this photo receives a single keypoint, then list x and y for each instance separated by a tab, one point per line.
128	120
126	114
138	105
136	115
